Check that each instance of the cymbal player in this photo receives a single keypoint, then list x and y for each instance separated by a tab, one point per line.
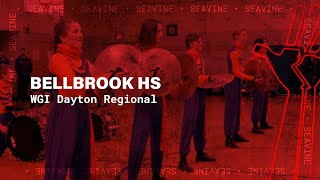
260	67
147	117
194	108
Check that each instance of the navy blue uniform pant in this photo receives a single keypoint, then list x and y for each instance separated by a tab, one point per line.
193	123
260	106
4	120
68	142
232	107
147	121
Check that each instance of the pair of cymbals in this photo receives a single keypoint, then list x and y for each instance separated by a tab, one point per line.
178	76
127	61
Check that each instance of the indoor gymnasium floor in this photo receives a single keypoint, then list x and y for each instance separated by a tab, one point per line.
253	160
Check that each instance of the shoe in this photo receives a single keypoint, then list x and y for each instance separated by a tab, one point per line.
239	138
256	130
183	166
265	125
156	176
229	143
203	157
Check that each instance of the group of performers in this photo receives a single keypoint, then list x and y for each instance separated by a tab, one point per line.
69	140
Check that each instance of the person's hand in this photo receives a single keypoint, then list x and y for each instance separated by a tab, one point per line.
3	129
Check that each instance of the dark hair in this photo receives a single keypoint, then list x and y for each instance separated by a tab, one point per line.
237	33
22	49
191	38
60	29
148	32
4	69
258	41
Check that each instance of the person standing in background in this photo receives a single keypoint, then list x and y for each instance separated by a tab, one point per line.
23	68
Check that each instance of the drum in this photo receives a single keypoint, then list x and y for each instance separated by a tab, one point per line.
26	136
105	125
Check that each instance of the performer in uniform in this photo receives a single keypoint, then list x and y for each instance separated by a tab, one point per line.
194	109
5	116
233	90
68	128
260	67
147	117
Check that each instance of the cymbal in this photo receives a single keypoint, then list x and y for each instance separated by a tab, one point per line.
190	74
121	60
251	68
219	80
165	65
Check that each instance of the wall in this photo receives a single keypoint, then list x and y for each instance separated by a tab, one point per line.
31	30
100	27
215	28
